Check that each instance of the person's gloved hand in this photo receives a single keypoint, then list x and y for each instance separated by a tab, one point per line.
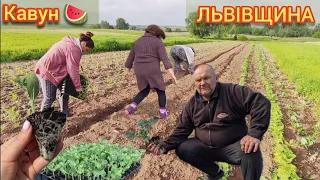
20	156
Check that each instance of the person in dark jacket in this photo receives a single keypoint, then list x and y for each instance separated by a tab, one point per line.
217	113
147	53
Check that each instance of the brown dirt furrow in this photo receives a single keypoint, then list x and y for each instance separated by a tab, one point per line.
106	79
254	81
101	113
292	104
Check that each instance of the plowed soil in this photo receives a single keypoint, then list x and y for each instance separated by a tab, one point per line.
101	117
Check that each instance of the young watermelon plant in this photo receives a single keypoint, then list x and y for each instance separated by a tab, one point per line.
145	128
47	125
95	161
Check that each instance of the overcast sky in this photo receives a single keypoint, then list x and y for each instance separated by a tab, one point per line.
173	12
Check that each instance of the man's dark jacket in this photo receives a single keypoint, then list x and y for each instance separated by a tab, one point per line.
221	120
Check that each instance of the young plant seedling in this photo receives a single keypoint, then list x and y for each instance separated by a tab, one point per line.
156	140
145	128
47	125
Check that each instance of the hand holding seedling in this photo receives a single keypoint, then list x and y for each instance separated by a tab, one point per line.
157	146
20	156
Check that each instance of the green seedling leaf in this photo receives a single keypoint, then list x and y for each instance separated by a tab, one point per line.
154	120
130	135
143	123
32	85
21	81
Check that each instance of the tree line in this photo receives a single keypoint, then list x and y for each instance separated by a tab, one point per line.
220	31
223	30
123	25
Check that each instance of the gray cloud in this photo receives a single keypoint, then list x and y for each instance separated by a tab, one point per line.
144	12
174	12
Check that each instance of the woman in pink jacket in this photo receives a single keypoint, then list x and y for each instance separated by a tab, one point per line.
63	58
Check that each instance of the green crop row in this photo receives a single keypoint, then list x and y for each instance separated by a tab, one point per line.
245	67
283	155
227	168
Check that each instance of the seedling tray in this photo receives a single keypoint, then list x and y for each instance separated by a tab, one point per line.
67	86
46	175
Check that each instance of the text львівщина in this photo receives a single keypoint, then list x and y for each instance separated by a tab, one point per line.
257	14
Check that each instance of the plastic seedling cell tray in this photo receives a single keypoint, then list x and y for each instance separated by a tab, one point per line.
67	86
46	175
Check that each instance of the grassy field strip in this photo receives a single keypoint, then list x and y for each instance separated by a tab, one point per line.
301	62
307	138
283	155
32	45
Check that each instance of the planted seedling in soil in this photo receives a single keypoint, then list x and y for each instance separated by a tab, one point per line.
47	125
145	128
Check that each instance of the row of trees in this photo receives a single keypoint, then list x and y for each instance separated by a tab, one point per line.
222	30
120	24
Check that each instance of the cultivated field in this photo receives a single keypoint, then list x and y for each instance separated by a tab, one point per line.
290	147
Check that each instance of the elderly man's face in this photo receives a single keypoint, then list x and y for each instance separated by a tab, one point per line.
205	81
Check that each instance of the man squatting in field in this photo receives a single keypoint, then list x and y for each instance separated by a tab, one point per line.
217	113
183	54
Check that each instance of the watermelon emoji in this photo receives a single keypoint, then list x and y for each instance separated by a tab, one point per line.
75	15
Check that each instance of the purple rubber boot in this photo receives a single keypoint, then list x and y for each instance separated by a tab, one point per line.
163	113
129	111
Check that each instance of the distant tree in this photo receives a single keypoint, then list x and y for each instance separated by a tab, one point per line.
258	31
201	30
178	30
316	28
133	28
95	26
121	24
167	29
105	25
316	35
221	30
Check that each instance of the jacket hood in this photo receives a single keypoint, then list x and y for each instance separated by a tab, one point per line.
74	40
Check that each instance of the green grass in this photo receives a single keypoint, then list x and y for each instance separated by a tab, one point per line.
25	44
301	62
